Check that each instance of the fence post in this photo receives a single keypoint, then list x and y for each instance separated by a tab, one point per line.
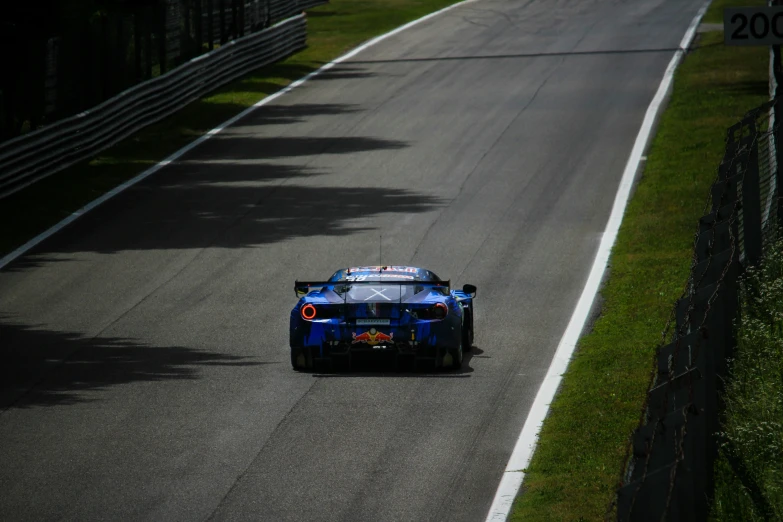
777	94
210	22
161	19
139	74
223	38
751	200
148	16
186	41
197	27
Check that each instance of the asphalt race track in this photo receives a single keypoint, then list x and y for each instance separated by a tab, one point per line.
145	371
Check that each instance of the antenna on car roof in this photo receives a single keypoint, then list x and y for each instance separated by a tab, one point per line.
380	251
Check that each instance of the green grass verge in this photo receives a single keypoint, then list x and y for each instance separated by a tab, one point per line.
576	468
749	471
332	30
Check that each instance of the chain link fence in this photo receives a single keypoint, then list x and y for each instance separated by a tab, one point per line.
669	469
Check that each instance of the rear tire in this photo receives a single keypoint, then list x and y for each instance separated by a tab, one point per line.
467	338
457	355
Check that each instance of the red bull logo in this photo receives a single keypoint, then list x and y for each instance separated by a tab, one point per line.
372	337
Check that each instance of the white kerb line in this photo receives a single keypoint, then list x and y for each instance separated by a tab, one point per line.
5	260
526	443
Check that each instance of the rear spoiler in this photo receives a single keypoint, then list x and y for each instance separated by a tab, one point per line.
303	287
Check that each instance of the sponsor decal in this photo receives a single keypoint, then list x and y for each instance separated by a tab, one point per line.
372	337
400	269
364	277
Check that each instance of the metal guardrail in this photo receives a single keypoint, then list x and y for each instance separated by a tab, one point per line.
38	154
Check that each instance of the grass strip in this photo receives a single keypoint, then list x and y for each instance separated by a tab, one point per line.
749	470
576	468
332	30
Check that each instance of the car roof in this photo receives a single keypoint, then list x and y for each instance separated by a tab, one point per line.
387	272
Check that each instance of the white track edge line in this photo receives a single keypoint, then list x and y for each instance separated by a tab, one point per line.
526	443
5	260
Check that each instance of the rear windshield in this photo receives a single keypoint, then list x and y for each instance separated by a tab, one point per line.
391	293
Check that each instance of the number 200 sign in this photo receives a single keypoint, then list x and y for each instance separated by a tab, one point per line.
753	25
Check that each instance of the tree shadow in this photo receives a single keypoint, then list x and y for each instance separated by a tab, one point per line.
247	146
343	72
286	114
236	190
191	174
52	199
49	368
224	216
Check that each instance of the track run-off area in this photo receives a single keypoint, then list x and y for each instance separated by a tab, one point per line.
146	372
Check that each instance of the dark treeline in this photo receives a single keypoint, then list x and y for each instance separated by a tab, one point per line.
63	57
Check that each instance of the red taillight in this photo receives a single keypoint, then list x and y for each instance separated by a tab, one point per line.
308	312
440	310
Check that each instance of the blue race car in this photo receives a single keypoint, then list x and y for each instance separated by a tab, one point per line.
399	312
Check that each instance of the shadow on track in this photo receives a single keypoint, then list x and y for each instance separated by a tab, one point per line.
380	368
343	72
518	56
259	148
48	368
287	114
236	190
225	216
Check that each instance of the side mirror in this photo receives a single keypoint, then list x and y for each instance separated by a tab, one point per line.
470	290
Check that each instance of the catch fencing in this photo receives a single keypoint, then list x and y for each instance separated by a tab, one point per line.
38	154
669	471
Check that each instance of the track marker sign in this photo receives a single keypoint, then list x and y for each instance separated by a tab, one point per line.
761	25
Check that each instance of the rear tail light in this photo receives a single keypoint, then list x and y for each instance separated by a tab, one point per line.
308	312
435	312
311	311
440	310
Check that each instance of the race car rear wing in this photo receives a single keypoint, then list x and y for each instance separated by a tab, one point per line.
303	287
